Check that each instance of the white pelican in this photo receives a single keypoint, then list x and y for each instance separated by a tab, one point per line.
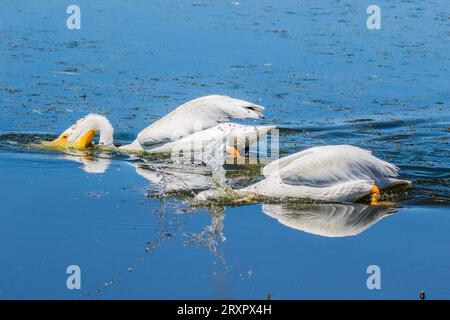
328	219
196	115
339	173
202	114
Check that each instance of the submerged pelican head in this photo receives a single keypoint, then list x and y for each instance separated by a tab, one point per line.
240	137
236	138
81	134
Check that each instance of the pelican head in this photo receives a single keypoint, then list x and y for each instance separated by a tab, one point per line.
81	134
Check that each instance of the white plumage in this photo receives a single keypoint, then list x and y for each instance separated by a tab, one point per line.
224	133
95	122
198	123
340	173
196	115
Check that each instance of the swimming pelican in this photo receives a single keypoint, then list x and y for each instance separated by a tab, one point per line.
205	114
196	115
339	173
227	133
81	133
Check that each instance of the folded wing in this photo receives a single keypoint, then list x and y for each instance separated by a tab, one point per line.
196	115
327	165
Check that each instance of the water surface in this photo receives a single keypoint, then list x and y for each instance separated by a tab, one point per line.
324	79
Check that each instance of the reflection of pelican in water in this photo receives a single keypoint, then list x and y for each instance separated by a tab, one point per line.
91	163
328	220
172	179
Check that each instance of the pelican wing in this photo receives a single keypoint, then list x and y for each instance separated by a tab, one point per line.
197	115
327	165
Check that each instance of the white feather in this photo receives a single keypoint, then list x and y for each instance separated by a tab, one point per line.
196	115
222	133
95	122
330	173
326	165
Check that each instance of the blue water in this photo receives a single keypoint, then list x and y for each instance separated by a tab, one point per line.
323	77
